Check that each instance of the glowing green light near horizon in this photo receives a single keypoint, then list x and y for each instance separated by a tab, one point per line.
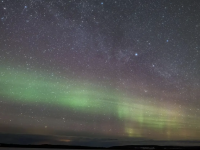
30	87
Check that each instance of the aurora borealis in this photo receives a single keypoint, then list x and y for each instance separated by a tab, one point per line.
100	73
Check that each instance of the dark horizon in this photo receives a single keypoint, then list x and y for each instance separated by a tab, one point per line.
50	146
23	139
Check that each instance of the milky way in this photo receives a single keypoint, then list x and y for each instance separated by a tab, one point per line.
100	73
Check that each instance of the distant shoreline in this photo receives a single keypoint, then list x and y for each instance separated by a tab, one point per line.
135	147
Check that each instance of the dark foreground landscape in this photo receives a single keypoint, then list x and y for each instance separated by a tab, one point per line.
87	147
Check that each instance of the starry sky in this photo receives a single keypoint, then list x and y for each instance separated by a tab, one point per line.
100	72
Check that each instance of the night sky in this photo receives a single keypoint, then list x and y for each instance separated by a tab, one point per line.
100	72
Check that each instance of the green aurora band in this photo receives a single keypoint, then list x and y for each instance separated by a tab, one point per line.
32	87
